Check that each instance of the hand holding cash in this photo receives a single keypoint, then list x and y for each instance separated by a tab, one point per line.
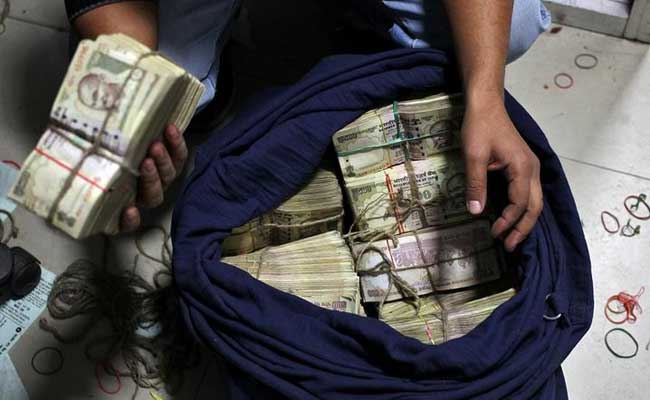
116	99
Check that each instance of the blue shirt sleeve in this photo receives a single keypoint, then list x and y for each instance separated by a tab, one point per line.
75	8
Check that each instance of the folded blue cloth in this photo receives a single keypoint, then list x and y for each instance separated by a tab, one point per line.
279	346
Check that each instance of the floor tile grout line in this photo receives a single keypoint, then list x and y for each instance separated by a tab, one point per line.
42	25
618	171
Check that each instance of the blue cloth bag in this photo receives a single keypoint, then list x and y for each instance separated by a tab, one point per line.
278	346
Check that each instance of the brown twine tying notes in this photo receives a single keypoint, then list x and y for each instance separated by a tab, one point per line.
402	208
146	332
97	140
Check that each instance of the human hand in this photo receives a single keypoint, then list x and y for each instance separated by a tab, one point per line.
491	142
164	162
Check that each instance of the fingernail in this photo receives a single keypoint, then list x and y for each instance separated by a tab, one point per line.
173	133
474	207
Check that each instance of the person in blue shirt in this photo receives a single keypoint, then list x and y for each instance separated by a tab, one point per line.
484	35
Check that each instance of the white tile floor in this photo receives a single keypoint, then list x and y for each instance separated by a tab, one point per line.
598	126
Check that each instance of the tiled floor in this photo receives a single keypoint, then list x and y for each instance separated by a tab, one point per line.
598	126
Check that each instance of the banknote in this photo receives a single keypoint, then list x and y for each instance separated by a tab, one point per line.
116	98
316	208
365	146
432	124
429	260
99	189
387	136
431	325
319	269
385	200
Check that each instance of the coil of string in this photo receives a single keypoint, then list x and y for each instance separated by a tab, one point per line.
129	303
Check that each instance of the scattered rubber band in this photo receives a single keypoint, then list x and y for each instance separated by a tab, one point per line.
12	163
629	303
628	230
557	77
612	216
111	372
631	209
619	355
53	371
587	56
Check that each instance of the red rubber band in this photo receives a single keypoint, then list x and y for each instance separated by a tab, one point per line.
12	163
114	373
630	304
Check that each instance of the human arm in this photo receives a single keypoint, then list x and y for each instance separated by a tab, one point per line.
490	140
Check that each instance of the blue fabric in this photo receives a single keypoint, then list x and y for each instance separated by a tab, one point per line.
279	346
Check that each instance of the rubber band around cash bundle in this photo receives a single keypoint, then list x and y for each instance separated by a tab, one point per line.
397	199
402	207
97	140
401	140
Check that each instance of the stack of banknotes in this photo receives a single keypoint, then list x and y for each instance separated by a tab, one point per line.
116	98
413	240
435	324
319	269
428	260
383	187
316	208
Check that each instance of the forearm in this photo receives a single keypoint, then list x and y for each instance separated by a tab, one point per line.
138	19
481	32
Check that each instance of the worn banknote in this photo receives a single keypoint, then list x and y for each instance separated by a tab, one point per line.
428	260
314	209
431	325
319	269
387	136
116	98
399	200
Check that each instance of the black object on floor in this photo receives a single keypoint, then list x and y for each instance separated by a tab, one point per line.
20	272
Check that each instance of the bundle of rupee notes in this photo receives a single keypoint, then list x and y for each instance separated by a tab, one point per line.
383	231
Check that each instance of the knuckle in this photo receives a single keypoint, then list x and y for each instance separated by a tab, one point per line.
475	153
474	183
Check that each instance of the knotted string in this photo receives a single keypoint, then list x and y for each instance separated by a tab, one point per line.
130	304
97	140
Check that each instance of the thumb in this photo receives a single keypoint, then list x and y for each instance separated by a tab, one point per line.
476	182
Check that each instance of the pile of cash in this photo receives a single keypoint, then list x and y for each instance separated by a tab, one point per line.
116	98
319	269
380	138
428	260
402	167
434	324
384	200
316	208
414	241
